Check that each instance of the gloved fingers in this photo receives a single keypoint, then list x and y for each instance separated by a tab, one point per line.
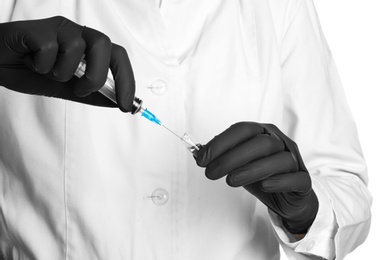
97	56
261	169
95	98
43	52
54	47
231	137
298	182
290	144
31	43
257	147
26	81
123	76
71	50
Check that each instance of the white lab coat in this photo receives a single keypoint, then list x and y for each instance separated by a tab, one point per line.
76	180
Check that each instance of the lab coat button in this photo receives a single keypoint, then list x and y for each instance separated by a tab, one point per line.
158	87
160	197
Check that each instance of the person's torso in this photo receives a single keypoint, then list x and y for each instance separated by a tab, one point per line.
78	181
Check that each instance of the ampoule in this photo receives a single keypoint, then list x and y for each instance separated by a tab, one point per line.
190	144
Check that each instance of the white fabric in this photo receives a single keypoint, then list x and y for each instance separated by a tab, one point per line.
75	179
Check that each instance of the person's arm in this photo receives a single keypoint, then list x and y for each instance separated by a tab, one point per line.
310	171
318	119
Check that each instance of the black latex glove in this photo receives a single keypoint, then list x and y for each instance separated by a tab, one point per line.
40	57
267	163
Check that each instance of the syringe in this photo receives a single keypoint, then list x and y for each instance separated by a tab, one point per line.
108	90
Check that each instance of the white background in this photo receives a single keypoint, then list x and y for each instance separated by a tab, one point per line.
358	33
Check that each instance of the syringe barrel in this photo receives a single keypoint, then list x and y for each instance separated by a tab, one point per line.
108	89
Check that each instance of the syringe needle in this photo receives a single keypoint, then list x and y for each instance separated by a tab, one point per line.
171	131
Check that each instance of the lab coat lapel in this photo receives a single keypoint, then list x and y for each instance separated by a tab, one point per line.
143	21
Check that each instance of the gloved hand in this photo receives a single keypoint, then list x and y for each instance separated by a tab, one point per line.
40	57
267	163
